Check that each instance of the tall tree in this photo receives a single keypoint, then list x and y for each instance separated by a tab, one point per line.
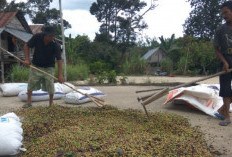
204	18
120	19
40	12
12	6
170	46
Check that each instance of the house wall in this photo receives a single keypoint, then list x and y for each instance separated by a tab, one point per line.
157	57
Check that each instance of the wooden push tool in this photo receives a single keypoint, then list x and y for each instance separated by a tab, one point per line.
152	97
99	102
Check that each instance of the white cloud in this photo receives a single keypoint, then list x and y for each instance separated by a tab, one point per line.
82	23
167	18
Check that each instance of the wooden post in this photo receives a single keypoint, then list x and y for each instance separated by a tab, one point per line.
2	61
63	40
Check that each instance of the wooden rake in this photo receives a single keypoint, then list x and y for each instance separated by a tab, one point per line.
99	102
147	99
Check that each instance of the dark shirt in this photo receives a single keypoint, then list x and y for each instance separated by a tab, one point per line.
223	40
44	55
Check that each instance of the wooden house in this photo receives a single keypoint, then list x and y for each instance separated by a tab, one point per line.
154	57
14	33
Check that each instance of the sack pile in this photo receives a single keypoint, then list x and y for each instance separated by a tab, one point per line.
10	134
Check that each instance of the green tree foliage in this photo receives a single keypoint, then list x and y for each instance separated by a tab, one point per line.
2	4
12	6
204	18
196	56
134	64
77	49
170	46
104	52
121	19
38	10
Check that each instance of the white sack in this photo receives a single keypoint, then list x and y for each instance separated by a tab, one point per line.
204	97
10	134
40	95
77	98
62	87
12	89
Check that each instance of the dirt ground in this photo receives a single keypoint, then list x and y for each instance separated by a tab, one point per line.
124	97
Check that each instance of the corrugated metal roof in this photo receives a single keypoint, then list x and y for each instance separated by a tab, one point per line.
1	29
37	28
6	17
149	53
24	36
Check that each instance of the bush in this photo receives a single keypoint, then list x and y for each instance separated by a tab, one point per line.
167	65
19	73
123	78
98	67
110	77
101	78
77	72
134	66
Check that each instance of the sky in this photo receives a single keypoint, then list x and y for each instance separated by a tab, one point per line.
166	19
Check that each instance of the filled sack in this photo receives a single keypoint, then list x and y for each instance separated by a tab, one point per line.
12	89
40	95
204	97
77	98
62	87
10	134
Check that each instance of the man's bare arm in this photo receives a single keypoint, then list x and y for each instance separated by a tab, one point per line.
222	59
60	71
27	55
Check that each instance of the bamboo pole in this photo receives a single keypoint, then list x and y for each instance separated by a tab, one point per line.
99	102
152	97
148	90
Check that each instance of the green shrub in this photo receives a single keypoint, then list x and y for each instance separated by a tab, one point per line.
19	74
167	65
77	72
101	78
134	66
98	67
123	78
111	76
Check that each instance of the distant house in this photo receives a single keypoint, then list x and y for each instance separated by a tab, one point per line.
154	58
14	32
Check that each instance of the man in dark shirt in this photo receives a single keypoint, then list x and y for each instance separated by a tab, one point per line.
223	50
46	51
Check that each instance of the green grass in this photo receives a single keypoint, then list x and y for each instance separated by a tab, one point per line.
19	74
108	131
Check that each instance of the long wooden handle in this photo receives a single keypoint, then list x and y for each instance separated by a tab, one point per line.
148	90
156	96
160	94
98	102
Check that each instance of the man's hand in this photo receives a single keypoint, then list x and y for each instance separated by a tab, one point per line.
61	79
226	67
27	63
